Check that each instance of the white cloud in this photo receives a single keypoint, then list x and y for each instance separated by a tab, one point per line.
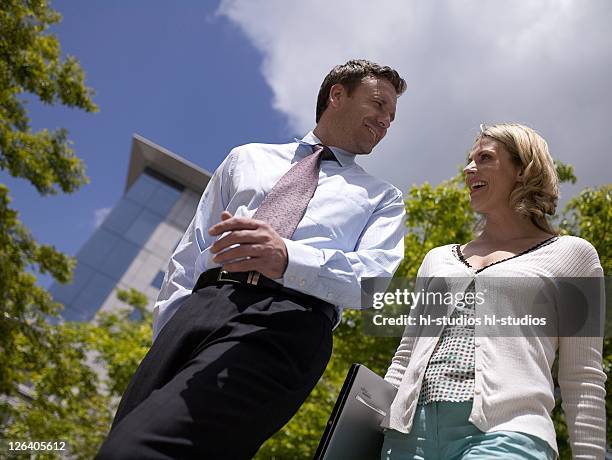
546	63
100	215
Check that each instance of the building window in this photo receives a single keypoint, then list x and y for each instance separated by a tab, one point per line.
158	280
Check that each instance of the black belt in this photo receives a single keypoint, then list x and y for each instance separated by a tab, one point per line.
216	276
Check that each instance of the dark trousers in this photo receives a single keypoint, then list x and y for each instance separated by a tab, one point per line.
230	368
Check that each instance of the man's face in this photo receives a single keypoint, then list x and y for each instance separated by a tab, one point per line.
364	117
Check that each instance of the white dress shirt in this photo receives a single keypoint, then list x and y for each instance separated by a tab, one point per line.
353	226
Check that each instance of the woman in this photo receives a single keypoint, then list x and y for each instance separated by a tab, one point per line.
465	395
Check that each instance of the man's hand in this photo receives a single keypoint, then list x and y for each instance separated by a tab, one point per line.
260	247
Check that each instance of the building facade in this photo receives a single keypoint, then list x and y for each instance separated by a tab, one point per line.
132	246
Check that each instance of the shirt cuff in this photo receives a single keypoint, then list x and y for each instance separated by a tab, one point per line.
303	266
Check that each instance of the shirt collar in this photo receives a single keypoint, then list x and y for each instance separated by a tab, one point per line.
344	157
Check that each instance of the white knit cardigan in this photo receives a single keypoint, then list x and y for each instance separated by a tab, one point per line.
513	383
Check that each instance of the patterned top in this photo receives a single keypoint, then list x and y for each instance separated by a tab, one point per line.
449	375
450	372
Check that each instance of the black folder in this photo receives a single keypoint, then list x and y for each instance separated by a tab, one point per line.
353	431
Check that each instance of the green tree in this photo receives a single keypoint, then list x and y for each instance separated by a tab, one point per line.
31	64
60	400
122	339
73	398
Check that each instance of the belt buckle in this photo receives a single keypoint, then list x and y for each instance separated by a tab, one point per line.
253	278
222	277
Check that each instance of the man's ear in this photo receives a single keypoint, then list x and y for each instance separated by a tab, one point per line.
337	93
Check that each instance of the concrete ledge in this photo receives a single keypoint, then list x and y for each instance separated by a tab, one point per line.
147	154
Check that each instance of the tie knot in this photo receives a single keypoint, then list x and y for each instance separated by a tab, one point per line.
326	153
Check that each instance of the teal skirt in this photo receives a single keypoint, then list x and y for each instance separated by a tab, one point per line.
441	431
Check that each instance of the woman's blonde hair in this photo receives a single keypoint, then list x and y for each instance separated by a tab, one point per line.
536	196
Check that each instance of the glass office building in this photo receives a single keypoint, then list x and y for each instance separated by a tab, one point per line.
131	248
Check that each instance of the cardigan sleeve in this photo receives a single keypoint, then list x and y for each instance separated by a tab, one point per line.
582	379
583	394
400	360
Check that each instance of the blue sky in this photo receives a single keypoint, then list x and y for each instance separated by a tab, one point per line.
185	79
199	77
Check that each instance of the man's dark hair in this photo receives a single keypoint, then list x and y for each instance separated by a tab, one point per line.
350	75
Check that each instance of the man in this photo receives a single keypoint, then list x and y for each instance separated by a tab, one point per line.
243	322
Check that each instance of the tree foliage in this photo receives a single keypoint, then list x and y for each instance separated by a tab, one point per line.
30	62
88	366
25	305
43	376
120	341
589	215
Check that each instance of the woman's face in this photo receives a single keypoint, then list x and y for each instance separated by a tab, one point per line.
490	176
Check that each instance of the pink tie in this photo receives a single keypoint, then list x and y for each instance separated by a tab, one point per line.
286	203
